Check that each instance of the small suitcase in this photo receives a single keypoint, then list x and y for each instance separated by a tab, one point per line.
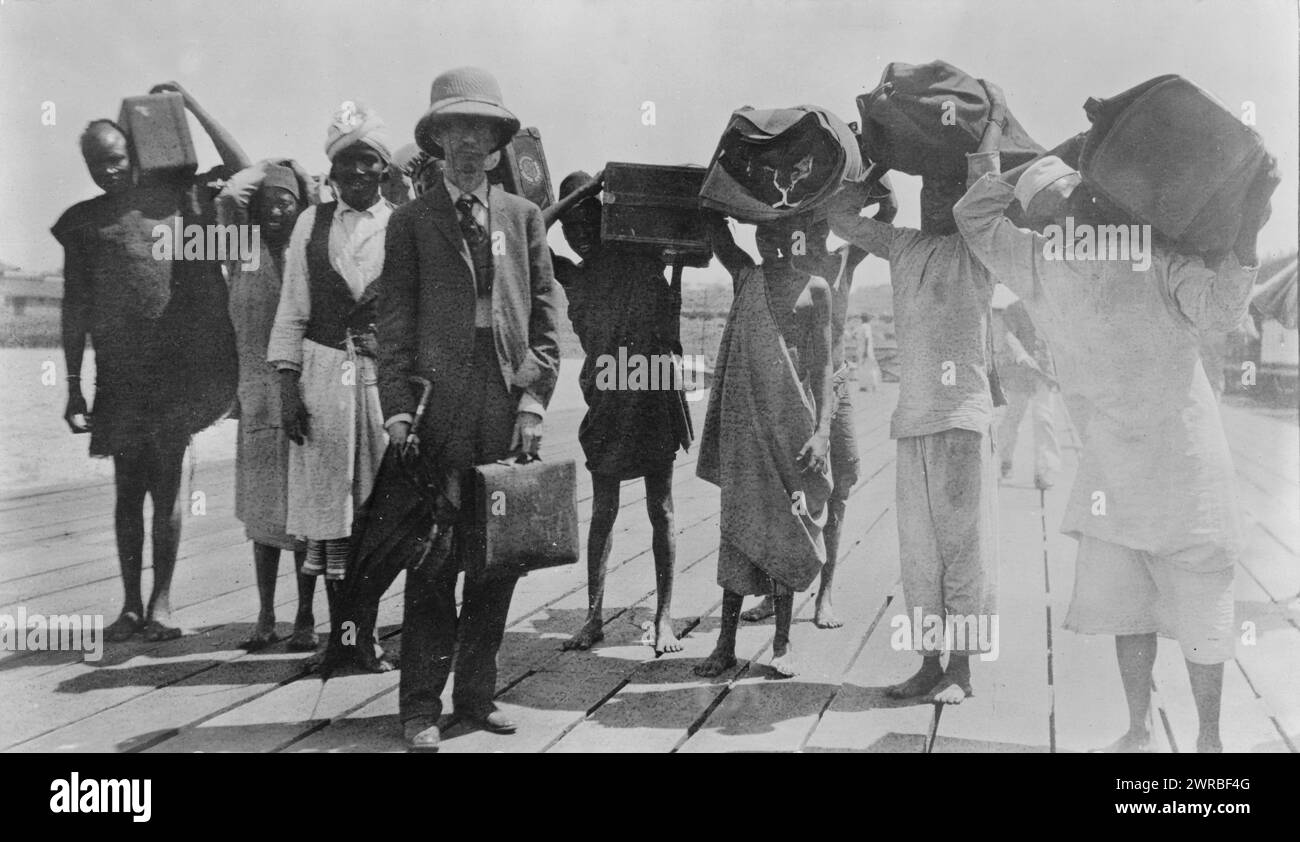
525	518
158	136
1171	155
655	208
522	169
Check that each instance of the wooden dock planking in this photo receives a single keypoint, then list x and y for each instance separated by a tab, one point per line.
201	694
630	719
1271	664
763	712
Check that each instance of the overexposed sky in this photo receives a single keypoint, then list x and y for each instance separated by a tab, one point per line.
273	71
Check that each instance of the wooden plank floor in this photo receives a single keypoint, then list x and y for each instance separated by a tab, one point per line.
1048	689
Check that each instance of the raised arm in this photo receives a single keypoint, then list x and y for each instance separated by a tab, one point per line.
869	235
732	257
232	154
552	213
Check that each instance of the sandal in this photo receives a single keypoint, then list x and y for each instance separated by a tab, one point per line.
156	632
121	629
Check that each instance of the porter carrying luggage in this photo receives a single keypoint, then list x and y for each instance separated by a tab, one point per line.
1169	154
779	163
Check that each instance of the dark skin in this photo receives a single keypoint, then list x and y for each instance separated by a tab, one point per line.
839	266
581	226
357	172
786	282
276	210
154	471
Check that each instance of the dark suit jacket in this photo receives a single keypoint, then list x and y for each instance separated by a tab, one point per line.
426	303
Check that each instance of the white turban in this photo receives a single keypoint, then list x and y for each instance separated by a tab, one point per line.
354	123
1039	174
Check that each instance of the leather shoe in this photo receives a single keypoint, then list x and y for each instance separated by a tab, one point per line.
494	721
421	734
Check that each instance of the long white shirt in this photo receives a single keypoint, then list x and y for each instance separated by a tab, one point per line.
1155	473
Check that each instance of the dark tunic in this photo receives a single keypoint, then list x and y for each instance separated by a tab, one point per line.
622	300
154	324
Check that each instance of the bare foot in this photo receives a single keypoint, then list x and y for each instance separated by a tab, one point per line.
716	664
1209	745
589	635
1134	742
949	691
665	639
825	617
759	612
784	661
920	683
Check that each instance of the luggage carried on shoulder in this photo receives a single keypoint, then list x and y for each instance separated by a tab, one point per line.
655	208
779	163
158	136
525	517
1169	154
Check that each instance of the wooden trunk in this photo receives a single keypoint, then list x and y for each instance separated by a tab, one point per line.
656	208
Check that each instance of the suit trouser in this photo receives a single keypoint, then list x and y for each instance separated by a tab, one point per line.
431	630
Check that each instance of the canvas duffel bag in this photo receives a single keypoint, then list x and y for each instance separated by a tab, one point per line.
1171	155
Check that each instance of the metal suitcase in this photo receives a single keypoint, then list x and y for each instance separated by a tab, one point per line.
522	169
525	518
158	135
656	208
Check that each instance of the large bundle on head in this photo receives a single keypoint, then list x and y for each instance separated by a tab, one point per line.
922	119
1167	153
779	163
